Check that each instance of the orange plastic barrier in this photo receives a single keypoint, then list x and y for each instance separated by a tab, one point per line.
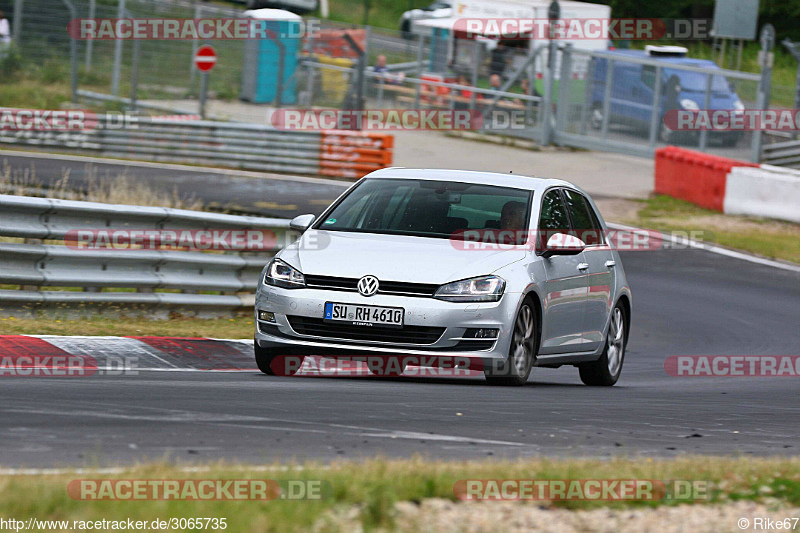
332	43
353	154
693	176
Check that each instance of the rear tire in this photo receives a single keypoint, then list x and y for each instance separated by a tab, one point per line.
606	371
266	362
516	368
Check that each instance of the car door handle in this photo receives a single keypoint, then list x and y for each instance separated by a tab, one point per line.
583	266
610	264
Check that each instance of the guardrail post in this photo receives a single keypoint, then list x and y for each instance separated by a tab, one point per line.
654	115
134	73
361	66
193	69
587	94
607	97
562	106
549	89
90	42
764	85
706	105
794	49
420	46
117	53
73	53
17	30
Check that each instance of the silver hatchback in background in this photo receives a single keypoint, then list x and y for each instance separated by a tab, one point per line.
505	270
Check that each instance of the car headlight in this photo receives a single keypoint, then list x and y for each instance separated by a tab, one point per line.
281	274
738	105
689	105
482	289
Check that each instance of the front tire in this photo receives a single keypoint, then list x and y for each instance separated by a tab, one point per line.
268	362
606	371
516	368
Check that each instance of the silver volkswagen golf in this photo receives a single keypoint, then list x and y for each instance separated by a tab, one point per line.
504	271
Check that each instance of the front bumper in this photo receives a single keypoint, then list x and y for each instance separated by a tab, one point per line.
453	318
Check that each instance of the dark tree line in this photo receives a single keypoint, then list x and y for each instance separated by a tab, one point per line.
783	14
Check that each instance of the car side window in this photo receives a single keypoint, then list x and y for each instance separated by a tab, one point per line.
601	237
553	217
584	225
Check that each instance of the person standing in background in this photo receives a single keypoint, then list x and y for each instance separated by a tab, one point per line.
5	29
497	61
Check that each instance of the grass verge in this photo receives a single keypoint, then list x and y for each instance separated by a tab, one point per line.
375	494
220	328
764	237
120	188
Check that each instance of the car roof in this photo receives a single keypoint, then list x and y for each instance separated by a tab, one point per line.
471	176
680	60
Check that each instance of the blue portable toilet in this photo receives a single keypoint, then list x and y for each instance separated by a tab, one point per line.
440	43
262	56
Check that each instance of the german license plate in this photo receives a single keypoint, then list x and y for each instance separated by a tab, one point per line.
364	315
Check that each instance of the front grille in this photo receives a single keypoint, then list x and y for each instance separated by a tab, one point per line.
397	288
317	327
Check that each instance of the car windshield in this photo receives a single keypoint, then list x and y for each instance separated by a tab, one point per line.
427	208
695	81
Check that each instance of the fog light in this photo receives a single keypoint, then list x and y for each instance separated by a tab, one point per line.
266	316
481	333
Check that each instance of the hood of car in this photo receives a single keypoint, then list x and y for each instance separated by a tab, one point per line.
394	257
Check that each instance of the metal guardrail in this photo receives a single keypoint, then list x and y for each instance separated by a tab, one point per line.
349	154
784	154
33	265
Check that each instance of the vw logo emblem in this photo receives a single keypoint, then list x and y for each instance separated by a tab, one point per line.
368	285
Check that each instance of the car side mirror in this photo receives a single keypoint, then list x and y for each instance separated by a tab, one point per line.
563	244
301	222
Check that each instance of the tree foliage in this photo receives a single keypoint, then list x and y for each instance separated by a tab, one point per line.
783	14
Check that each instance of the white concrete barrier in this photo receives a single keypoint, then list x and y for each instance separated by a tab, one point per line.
765	191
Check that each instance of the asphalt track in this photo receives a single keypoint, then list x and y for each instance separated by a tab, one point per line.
686	302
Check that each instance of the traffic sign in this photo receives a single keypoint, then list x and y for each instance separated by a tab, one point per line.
205	58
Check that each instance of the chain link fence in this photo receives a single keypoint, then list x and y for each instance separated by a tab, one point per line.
627	99
598	101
